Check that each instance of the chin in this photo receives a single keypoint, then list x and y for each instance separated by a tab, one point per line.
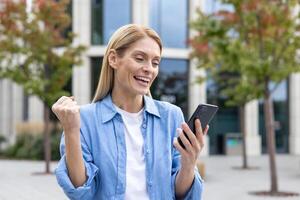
142	92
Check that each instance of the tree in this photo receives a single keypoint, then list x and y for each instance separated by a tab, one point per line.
213	40
256	44
36	53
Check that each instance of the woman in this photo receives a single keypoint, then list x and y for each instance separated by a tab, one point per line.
123	145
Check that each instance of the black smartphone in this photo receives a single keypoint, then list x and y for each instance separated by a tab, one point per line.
204	112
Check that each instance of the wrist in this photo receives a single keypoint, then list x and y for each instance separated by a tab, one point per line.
187	171
72	132
72	139
71	129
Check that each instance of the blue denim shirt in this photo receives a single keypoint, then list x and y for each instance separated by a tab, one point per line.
104	152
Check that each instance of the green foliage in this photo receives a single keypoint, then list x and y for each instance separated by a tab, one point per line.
34	50
30	146
247	48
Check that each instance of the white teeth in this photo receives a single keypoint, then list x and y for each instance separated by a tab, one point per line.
143	78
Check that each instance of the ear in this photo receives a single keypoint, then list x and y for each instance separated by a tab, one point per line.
113	58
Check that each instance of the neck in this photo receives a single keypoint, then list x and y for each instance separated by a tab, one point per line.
127	102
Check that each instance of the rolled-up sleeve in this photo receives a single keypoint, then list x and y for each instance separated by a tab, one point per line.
195	192
88	189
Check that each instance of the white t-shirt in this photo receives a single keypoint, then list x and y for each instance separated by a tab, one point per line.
135	163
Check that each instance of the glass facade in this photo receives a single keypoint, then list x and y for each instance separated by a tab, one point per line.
68	88
281	117
225	121
96	63
25	115
171	84
97	21
210	6
69	11
106	17
170	19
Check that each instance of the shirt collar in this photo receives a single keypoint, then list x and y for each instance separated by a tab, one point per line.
150	106
109	111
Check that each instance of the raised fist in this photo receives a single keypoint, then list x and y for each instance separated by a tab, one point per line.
67	111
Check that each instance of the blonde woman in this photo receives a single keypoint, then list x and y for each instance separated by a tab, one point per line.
123	145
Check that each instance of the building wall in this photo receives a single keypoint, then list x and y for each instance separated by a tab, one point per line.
11	99
11	107
294	114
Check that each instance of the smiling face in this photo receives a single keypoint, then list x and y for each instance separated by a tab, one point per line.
137	68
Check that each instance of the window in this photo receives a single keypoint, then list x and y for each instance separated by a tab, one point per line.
225	121
96	64
25	113
170	19
280	105
69	12
171	83
96	22
210	6
67	87
107	16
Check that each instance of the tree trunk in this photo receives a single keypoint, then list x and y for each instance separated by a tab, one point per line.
47	139
269	124
244	135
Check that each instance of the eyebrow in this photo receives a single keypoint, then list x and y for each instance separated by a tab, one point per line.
144	54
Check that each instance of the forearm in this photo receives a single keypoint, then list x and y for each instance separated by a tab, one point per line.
184	181
74	159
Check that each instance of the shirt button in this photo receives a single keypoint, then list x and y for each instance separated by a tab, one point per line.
147	151
150	183
144	126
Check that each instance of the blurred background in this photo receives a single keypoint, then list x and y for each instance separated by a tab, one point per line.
22	111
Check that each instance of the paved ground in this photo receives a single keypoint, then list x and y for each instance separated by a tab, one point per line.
17	181
225	183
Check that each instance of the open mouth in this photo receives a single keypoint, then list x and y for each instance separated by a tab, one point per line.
142	80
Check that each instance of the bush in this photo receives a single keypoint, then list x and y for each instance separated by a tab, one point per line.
30	146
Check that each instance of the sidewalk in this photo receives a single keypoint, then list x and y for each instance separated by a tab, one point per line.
222	182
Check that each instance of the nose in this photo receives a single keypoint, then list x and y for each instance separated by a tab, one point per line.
147	67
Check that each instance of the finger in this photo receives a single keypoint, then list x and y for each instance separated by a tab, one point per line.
198	129
71	108
61	99
75	109
206	130
54	107
179	147
67	102
72	103
199	133
185	141
191	136
72	97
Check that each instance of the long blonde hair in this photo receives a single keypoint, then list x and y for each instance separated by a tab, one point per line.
120	41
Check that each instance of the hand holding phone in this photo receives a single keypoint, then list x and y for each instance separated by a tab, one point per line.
204	112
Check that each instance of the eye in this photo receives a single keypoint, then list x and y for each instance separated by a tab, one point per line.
155	63
139	59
